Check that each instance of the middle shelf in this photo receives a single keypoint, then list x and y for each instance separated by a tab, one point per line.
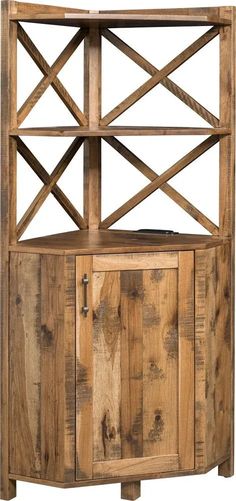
74	131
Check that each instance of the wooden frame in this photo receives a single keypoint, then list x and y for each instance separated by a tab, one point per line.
91	130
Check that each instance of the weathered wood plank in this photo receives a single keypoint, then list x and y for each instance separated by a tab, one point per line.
107	360
186	359
25	356
227	187
7	486
131	364
52	367
135	466
92	145
69	367
109	262
160	362
143	130
84	373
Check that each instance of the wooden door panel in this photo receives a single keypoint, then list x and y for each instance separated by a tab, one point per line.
143	341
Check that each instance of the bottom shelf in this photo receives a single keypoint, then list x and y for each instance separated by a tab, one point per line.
112	241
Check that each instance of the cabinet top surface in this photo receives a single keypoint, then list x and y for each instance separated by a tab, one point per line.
113	241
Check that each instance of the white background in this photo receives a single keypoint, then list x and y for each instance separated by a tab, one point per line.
199	182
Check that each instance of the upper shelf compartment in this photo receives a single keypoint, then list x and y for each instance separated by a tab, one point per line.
117	19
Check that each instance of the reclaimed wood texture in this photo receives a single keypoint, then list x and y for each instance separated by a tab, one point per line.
137	358
42	366
212	355
72	131
84	373
114	241
7	487
92	146
227	187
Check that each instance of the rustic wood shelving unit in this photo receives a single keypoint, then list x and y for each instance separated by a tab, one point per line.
117	347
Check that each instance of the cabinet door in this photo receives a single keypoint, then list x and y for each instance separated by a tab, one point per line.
135	365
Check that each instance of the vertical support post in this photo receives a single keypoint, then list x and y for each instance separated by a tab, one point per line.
12	125
227	182
92	145
7	487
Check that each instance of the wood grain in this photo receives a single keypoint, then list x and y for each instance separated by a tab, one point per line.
131	364
92	146
135	261
42	366
107	366
113	242
186	359
227	187
7	486
160	362
25	366
73	131
84	373
137	466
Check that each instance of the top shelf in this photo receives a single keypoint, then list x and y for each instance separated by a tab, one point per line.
116	19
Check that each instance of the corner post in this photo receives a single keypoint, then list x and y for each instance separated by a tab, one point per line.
7	486
92	145
227	183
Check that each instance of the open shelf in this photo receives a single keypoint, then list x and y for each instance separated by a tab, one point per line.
120	131
118	20
112	241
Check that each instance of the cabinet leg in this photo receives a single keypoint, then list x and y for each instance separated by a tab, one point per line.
130	490
7	489
226	469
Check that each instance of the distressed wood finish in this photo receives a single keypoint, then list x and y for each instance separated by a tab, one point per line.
84	373
7	486
143	385
227	187
213	355
143	340
92	146
42	366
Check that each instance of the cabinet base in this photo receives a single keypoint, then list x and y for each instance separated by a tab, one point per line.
226	469
131	490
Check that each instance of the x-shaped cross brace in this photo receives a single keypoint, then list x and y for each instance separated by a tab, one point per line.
50	185
160	76
50	76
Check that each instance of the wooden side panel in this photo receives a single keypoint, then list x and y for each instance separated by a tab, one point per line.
107	377
213	356
42	362
131	364
84	372
186	359
223	352
25	357
160	359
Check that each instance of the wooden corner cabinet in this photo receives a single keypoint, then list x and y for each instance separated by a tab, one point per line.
117	347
